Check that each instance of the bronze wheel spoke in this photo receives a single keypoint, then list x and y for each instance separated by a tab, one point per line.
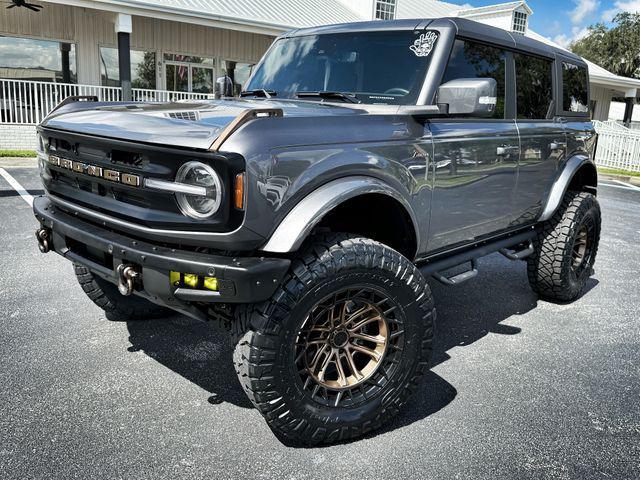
354	370
367	351
379	339
364	322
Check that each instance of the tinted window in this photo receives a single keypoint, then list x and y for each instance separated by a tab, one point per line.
143	68
574	88
474	60
378	67
43	60
534	86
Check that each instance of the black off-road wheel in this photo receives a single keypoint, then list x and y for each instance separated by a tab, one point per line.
341	345
117	307
565	248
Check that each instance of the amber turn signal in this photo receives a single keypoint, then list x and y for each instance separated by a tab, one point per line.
238	192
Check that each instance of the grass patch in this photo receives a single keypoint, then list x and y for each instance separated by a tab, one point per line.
17	153
615	171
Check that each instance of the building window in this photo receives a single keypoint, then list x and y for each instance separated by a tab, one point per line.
41	60
238	72
385	9
143	68
519	22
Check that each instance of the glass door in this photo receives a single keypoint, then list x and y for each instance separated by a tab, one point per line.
188	74
176	76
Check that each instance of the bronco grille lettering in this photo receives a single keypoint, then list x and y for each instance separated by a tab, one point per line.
95	171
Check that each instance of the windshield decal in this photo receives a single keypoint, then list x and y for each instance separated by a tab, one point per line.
423	45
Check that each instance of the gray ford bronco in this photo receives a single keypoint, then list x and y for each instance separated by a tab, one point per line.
360	160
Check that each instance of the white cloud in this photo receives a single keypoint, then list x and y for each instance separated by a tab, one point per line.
576	34
632	6
583	9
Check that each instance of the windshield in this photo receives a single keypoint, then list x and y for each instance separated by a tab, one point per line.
375	67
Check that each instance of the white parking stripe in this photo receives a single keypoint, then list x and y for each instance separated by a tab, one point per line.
17	187
633	187
630	187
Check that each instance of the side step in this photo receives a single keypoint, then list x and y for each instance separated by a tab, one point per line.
503	245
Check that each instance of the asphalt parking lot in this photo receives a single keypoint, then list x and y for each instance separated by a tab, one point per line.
520	388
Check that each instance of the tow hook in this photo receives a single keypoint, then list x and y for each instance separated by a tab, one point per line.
126	276
43	235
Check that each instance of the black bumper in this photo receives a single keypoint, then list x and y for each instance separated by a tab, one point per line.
240	279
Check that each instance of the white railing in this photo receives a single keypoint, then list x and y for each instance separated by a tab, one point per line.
28	102
618	146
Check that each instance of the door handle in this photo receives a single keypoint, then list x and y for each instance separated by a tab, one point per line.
506	149
557	145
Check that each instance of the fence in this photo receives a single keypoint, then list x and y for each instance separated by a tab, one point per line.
618	146
26	102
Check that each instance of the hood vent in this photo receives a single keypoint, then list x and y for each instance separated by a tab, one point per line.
185	115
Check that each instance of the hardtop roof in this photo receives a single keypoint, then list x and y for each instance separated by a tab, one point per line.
464	28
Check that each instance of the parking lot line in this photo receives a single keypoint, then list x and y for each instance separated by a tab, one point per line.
17	187
633	187
624	186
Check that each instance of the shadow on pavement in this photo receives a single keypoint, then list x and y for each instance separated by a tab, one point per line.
202	353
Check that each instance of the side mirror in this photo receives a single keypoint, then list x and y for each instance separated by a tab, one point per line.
475	97
223	87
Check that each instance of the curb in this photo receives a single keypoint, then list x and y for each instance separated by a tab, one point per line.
621	178
31	162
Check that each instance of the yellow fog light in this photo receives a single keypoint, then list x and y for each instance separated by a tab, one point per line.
211	283
174	278
190	280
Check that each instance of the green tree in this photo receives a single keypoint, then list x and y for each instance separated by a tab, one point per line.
617	48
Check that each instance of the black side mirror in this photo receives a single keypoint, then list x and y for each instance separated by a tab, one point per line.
223	87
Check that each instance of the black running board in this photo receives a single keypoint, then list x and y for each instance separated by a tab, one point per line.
502	245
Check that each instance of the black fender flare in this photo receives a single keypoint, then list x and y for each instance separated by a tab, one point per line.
560	186
300	221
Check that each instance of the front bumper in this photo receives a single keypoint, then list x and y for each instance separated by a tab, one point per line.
240	279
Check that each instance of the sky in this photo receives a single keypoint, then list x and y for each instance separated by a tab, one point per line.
566	20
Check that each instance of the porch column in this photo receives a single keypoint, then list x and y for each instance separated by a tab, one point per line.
123	29
630	100
65	48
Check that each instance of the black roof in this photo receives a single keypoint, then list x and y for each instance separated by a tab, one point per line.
464	28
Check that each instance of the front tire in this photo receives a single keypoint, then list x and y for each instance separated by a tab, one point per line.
565	248
341	345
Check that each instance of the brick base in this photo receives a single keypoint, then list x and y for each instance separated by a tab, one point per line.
17	137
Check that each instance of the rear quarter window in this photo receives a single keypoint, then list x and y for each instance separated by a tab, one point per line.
575	96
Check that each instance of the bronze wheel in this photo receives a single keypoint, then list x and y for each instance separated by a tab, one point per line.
340	346
344	350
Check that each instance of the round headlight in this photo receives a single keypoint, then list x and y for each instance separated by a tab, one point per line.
205	200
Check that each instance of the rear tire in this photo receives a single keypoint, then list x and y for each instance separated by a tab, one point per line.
344	295
565	248
117	307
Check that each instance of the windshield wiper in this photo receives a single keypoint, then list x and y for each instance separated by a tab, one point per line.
259	92
347	97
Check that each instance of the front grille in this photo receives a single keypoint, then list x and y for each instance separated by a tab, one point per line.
123	194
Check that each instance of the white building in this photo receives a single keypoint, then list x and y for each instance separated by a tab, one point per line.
176	48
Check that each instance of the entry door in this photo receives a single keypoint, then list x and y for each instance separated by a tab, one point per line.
542	134
476	165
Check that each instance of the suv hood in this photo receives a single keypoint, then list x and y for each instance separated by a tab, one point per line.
190	125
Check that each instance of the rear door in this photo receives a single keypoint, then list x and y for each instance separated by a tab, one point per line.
542	137
476	159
